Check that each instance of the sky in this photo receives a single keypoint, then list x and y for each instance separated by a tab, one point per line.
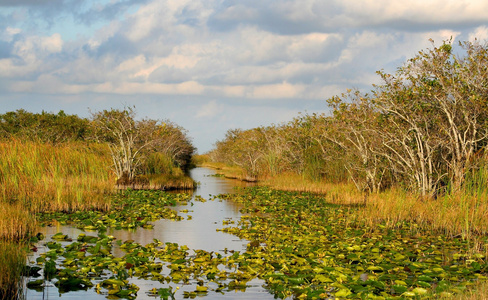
214	65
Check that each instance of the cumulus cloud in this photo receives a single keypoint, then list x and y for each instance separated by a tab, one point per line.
289	53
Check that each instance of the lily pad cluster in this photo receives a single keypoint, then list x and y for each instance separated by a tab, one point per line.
306	248
300	246
129	209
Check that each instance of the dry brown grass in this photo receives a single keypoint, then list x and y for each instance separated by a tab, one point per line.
16	222
174	181
457	214
478	291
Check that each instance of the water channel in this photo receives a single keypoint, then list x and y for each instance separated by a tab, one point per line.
199	232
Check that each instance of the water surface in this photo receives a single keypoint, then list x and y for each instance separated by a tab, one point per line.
199	232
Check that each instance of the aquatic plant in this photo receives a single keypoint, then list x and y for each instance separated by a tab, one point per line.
299	244
129	209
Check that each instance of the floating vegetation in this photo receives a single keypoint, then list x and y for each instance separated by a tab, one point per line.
310	249
130	209
299	245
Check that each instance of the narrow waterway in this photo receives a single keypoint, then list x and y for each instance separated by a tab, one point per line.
197	232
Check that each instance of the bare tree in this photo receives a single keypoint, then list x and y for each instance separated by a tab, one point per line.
125	136
355	129
458	87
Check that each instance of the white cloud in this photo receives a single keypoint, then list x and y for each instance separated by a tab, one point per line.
416	11
9	33
293	52
480	33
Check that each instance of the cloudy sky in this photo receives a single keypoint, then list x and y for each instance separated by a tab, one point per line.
212	65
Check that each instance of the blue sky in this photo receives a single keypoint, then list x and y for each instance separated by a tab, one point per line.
213	65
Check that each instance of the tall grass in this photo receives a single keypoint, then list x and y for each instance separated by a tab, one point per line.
12	261
458	213
45	177
158	163
36	177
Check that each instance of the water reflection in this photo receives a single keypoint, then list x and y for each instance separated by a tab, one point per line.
197	233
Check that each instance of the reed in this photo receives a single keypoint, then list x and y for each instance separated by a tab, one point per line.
36	177
177	180
12	261
457	214
478	292
44	177
16	223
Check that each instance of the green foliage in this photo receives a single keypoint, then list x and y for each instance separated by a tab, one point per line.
45	127
158	163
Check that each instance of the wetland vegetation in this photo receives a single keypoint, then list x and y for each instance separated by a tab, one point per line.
413	150
57	162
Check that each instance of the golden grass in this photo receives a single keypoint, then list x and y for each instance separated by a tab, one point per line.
176	180
12	261
342	193
37	177
459	214
16	222
479	291
44	177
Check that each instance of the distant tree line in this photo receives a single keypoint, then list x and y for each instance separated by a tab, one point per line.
136	146
425	128
44	127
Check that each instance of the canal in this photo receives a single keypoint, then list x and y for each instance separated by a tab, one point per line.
197	232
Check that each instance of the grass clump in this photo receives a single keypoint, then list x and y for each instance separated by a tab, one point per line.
42	177
37	177
12	261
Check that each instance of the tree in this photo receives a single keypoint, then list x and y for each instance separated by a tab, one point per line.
435	109
354	128
44	127
458	87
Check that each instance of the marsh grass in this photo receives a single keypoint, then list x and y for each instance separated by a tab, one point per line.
37	177
44	177
174	181
16	223
12	261
478	291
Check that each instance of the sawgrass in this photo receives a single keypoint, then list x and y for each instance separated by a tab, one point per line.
37	177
